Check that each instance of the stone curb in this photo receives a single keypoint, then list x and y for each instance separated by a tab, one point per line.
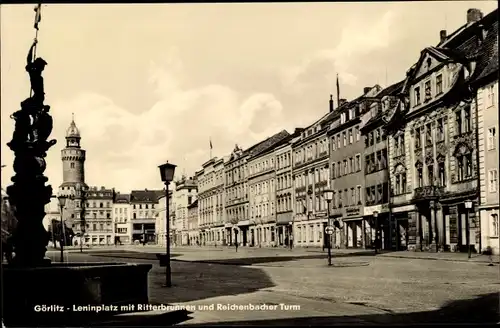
438	259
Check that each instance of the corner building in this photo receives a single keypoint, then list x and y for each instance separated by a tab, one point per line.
439	127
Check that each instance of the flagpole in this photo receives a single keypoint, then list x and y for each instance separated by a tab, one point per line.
38	14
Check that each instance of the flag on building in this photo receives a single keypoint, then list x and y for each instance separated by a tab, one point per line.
38	15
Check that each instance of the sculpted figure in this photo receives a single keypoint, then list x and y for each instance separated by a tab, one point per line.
42	127
22	130
35	69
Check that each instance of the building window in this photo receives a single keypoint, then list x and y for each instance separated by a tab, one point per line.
458	122
397	186
492	134
442	174
358	163
428	94
358	195
439	84
417	96
344	139
340	198
345	167
467	120
430	175
491	96
440	130
338	141
353	196
358	133
333	171
464	163
493	179
494	225
380	194
420	175
378	164
377	135
351	140
417	138
428	134
333	143
72	165
351	165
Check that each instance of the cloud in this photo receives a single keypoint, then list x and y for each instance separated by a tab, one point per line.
124	149
358	38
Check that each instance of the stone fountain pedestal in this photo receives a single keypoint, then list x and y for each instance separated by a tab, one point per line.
71	294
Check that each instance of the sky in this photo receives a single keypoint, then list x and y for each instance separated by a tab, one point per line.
149	83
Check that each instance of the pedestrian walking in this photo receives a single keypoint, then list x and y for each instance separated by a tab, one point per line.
236	245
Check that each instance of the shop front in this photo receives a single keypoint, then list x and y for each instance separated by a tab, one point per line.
400	223
378	216
243	233
284	228
353	227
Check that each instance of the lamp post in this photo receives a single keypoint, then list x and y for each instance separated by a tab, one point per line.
62	203
375	216
468	206
290	235
167	175
328	197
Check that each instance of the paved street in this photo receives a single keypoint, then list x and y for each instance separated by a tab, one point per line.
358	288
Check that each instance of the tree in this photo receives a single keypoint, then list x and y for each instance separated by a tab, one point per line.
55	233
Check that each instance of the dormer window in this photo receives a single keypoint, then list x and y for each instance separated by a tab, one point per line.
417	96
439	84
342	118
352	113
428	94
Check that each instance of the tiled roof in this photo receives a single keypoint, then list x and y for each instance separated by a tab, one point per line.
122	198
487	60
266	144
391	90
145	196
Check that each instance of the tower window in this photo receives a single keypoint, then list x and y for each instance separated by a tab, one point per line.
72	165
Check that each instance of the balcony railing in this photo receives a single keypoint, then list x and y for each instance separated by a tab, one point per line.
428	192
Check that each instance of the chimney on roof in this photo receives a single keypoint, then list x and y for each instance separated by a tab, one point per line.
331	103
366	90
442	35
474	15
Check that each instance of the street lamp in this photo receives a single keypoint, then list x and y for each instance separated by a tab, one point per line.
375	216
62	203
468	206
290	234
328	197
167	175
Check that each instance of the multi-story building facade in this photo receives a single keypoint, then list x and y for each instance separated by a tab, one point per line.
347	169
311	177
185	194
484	83
98	216
285	198
262	192
236	197
376	186
437	173
211	202
122	219
160	215
193	223
143	204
